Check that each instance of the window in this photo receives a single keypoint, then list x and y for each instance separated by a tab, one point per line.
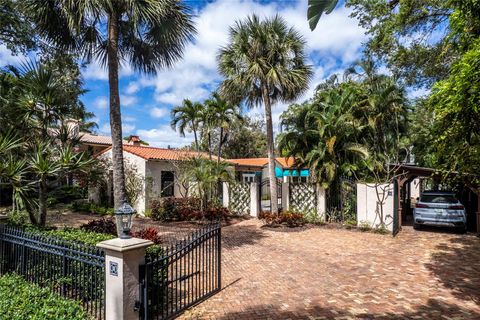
167	183
438	198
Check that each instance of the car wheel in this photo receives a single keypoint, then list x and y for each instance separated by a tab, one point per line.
416	226
462	229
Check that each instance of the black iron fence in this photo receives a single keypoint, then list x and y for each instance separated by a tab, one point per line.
341	200
182	275
72	270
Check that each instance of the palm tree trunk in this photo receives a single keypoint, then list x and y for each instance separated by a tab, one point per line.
195	136
220	142
209	145
42	201
270	151
119	192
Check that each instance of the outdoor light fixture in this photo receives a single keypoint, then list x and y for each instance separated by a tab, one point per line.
123	217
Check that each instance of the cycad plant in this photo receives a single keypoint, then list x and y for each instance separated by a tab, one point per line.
264	63
149	35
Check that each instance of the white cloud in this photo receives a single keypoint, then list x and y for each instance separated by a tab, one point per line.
164	136
129	119
127	128
132	87
159	112
337	41
95	71
127	100
7	58
101	102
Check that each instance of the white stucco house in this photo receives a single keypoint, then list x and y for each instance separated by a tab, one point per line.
157	168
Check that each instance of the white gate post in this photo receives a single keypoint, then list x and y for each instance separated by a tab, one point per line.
254	199
285	196
226	195
123	258
321	205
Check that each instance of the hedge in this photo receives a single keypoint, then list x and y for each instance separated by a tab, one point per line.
21	300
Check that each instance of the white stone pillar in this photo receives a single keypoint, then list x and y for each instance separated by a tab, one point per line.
285	196
321	201
254	199
226	195
122	260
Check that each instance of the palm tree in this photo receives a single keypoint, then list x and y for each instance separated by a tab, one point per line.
187	117
323	135
264	62
316	8
149	35
224	115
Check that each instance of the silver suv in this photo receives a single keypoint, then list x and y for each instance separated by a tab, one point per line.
439	208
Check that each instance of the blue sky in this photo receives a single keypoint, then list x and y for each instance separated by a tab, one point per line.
146	100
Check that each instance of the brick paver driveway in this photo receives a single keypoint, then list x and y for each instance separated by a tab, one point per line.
322	273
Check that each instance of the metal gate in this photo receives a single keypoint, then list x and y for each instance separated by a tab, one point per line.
264	195
341	200
178	277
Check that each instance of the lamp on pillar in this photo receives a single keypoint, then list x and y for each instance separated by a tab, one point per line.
123	217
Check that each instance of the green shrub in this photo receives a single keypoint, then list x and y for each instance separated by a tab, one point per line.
364	226
314	217
157	210
350	223
18	218
66	194
91	208
71	234
21	300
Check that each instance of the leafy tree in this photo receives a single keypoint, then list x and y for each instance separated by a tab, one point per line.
456	118
187	117
16	31
418	40
264	62
149	35
246	139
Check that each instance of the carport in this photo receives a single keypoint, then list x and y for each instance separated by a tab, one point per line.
405	174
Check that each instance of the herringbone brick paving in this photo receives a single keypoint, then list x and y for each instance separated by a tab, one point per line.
321	273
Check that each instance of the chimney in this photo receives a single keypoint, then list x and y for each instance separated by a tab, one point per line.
134	140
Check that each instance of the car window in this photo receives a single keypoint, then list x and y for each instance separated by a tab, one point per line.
438	198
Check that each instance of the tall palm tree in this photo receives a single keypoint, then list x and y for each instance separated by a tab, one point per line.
149	35
264	62
187	117
224	115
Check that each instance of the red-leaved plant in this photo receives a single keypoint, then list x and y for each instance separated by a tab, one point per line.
148	234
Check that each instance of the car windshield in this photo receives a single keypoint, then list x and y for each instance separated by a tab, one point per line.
438	198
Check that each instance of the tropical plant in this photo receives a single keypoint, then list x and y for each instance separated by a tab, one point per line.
264	61
323	135
149	35
316	8
187	118
223	115
205	176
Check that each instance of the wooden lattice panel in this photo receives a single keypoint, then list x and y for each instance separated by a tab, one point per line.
239	198
303	197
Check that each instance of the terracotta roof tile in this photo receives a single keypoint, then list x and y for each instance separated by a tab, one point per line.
153	153
95	139
261	162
